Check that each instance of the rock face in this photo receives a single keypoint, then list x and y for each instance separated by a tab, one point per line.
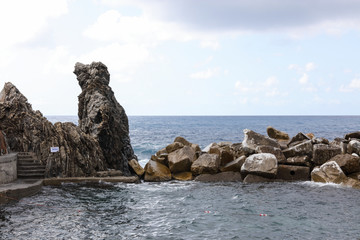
3	145
323	153
348	163
329	172
27	130
181	159
102	117
206	163
156	172
261	164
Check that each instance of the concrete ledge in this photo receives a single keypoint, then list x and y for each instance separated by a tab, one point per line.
8	168
59	181
16	190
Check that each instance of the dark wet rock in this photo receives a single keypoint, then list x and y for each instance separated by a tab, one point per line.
156	172
251	178
29	131
352	135
300	137
276	134
253	139
304	148
181	159
220	177
206	163
322	153
293	173
262	164
102	117
234	166
276	151
348	163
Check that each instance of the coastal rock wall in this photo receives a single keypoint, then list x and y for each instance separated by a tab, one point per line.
102	117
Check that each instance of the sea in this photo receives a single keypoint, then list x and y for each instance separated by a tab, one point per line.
193	210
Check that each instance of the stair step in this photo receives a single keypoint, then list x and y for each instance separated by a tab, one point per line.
31	167
31	176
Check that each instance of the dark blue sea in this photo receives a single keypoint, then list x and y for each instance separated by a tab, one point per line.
193	210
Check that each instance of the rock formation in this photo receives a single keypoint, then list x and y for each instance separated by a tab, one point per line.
102	117
27	130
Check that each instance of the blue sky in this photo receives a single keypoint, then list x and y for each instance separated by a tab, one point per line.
273	57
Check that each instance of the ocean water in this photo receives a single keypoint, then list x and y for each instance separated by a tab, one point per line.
193	210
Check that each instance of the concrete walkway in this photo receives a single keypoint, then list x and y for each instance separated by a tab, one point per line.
18	189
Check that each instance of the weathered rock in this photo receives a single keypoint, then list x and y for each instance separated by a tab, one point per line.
174	146
300	137
183	176
340	142
276	134
310	135
196	147
207	148
293	173
239	150
350	182
297	161
352	135
183	141
161	151
224	154
220	177
253	139
234	166
163	159
101	116
133	163
301	149
322	153
329	172
319	140
262	164
276	151
251	178
348	163
181	159
206	163
156	172
355	176
28	131
353	147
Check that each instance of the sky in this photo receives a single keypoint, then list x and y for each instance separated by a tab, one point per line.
186	57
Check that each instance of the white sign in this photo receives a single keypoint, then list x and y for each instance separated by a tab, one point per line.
54	149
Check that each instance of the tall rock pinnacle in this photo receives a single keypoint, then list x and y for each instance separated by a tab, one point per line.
101	116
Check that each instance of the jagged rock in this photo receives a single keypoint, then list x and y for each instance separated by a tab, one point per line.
183	141
319	140
234	166
156	172
329	172
262	164
353	147
163	159
174	146
101	116
183	176
238	150
276	134
251	178
293	173
300	137
220	177
253	139
136	167
352	135
161	151
340	142
196	147
181	159
304	148
348	163
310	135
297	161
223	152
322	153
276	151
206	163
207	148
28	131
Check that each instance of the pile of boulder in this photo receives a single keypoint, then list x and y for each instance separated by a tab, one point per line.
259	158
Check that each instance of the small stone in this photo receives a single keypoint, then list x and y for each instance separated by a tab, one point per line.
276	134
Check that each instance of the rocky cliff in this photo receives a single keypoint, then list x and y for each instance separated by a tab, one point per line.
102	117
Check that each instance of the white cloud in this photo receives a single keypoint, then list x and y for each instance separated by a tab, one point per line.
209	73
353	85
210	44
310	66
205	62
243	87
271	81
304	79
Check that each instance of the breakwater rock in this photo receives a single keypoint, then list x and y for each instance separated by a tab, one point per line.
259	158
102	117
84	150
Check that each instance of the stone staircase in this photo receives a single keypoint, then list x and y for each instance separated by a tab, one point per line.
28	167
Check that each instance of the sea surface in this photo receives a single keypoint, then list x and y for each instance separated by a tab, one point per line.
193	210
